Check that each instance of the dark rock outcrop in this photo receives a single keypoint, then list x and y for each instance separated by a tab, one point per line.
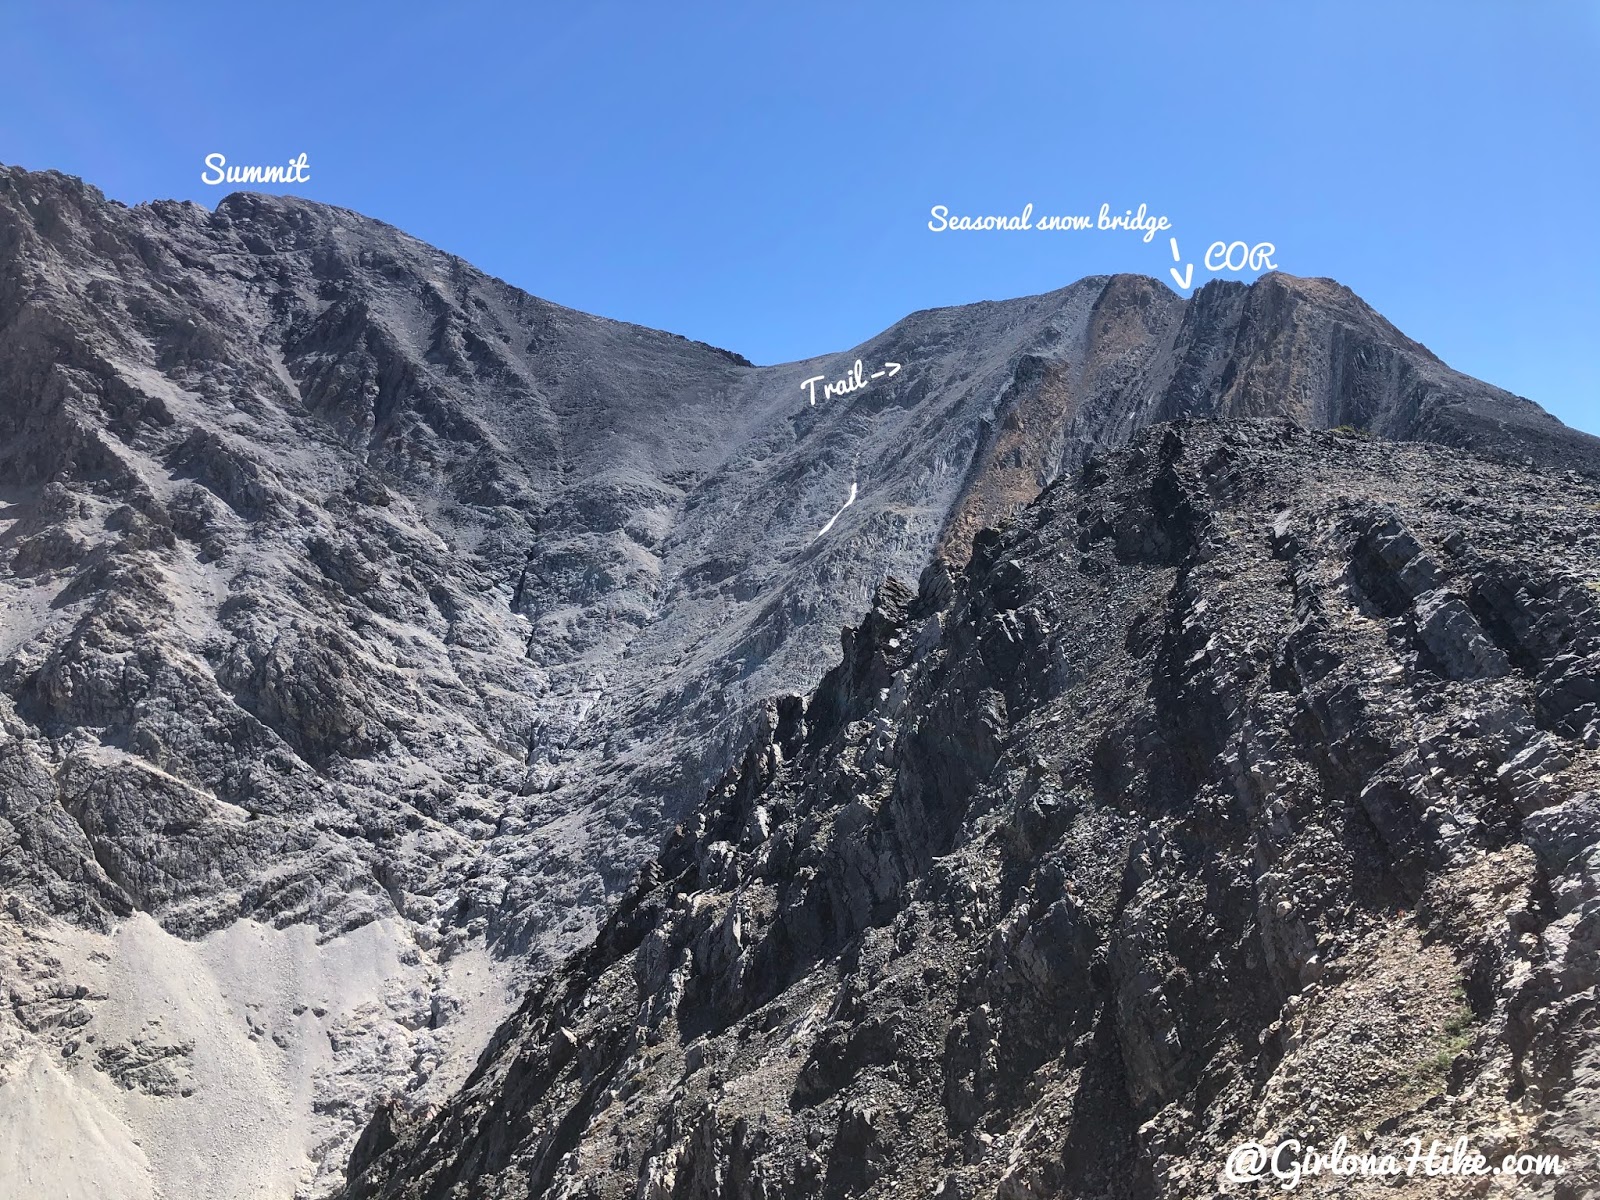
1242	790
352	597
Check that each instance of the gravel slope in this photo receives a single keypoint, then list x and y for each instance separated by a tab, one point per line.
1244	791
345	589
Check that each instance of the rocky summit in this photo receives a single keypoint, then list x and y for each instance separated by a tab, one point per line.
366	623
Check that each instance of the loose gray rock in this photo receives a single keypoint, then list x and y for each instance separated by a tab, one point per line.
1161	846
345	589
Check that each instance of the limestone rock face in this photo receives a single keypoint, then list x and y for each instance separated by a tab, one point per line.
367	618
1222	797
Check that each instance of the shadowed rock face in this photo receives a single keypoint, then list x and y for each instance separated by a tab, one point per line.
345	587
1243	789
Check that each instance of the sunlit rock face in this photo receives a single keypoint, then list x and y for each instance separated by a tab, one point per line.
1243	791
358	602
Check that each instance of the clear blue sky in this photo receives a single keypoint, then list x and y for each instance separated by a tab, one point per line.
762	179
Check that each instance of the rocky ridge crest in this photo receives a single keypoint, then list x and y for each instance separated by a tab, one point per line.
367	617
1245	789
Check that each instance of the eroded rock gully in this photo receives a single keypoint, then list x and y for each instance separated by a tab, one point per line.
1244	788
365	622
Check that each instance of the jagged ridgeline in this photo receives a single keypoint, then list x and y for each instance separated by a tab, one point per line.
366	622
1246	789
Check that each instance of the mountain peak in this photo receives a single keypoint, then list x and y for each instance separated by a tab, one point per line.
370	611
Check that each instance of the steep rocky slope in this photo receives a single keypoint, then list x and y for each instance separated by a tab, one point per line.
1244	789
368	618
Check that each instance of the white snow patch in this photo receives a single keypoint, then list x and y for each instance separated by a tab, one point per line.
840	513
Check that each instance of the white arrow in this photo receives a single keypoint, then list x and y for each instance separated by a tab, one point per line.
1186	278
894	369
1176	257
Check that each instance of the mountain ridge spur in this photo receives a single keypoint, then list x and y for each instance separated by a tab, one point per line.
367	616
